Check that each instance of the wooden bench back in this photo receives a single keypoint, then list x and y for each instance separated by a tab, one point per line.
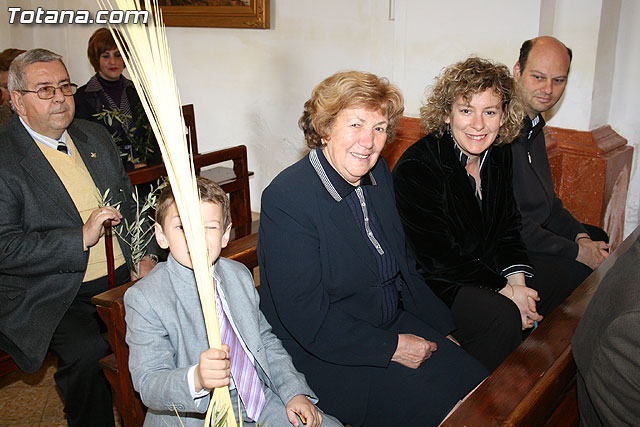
408	131
189	114
234	181
110	306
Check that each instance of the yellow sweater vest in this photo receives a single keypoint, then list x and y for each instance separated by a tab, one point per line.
85	195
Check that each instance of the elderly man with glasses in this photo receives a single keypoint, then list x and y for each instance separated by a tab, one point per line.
52	255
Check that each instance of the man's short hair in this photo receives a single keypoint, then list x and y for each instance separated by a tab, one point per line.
526	48
17	79
209	192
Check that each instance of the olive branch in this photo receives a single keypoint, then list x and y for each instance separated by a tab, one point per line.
140	146
138	233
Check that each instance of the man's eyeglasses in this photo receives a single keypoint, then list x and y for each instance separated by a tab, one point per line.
48	92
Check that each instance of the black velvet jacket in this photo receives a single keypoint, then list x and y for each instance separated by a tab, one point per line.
455	242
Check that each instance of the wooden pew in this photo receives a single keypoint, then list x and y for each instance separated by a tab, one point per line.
535	385
234	181
110	307
408	131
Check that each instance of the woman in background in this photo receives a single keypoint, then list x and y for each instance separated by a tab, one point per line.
454	196
110	99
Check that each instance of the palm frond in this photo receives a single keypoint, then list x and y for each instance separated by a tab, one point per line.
147	56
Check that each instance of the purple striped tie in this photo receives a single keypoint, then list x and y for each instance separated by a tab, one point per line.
243	372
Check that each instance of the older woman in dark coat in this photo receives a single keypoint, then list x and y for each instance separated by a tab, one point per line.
454	195
337	282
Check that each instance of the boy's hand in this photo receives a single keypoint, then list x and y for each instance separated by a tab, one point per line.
300	405
213	370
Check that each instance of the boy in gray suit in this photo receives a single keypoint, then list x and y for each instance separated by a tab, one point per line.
171	364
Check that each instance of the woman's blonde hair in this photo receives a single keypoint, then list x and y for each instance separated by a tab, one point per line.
465	79
349	89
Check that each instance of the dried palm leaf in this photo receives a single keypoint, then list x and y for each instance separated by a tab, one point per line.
147	57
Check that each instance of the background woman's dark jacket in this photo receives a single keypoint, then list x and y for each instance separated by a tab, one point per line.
90	100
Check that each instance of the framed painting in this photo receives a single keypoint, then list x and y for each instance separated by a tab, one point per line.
216	13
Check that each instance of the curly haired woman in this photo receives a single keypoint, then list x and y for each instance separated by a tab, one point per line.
456	203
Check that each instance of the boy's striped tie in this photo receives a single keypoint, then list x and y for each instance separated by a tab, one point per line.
243	372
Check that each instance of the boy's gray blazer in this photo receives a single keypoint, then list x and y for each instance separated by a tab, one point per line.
166	334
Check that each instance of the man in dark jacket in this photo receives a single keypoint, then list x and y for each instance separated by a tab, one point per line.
560	247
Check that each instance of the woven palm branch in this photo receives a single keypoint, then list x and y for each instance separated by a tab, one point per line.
147	56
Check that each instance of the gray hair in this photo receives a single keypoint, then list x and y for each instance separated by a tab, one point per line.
16	78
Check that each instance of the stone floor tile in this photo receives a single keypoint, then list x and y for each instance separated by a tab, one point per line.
20	405
54	408
57	423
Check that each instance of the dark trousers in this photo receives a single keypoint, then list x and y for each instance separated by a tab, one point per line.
488	325
79	345
400	396
557	277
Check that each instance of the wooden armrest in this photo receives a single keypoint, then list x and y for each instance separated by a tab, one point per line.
243	250
106	299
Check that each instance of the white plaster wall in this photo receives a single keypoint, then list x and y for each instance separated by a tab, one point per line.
434	34
248	86
576	24
605	64
623	114
5	34
547	16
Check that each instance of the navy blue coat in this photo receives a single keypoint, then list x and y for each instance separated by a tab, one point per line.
319	286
